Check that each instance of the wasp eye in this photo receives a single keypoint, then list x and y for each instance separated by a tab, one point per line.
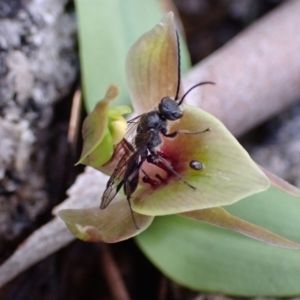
169	109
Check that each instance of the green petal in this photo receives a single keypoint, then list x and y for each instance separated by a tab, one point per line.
117	129
101	153
98	141
228	173
152	66
219	217
114	224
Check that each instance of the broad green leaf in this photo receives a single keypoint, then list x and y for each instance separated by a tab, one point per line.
207	258
107	29
228	174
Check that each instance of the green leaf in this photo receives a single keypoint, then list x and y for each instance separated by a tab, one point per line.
107	29
208	258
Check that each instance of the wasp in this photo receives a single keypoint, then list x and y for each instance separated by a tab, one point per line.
141	142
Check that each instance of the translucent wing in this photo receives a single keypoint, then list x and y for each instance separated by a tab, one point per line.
127	152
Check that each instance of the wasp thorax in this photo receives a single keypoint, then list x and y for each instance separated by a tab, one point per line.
170	109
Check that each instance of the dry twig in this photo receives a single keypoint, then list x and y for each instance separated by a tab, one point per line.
257	73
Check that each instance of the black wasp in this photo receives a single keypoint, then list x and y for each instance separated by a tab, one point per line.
143	136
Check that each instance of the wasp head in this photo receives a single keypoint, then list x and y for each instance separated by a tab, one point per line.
170	109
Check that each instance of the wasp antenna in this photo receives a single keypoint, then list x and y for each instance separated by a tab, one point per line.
196	85
178	66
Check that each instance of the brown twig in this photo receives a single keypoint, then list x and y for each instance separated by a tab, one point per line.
257	73
43	242
54	235
75	119
163	288
114	279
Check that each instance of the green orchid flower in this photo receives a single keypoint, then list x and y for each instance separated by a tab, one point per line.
226	174
103	128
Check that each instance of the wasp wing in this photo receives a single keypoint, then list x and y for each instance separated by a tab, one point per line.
128	152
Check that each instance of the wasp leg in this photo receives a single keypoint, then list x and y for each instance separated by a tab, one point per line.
129	187
160	162
173	134
131	183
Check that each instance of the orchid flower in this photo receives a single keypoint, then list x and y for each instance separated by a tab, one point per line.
226	174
